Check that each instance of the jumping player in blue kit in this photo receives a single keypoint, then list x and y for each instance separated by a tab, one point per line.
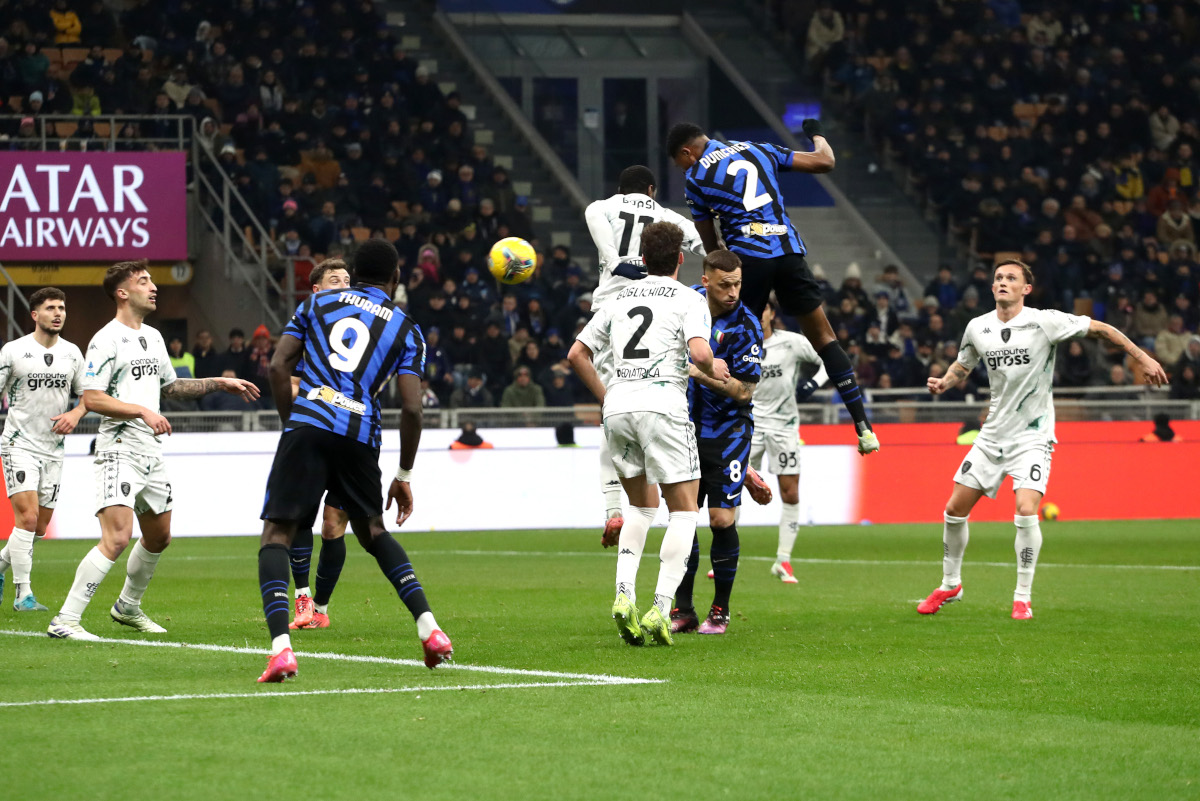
738	182
721	412
353	341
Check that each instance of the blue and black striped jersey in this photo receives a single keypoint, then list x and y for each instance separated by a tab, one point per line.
737	338
739	182
354	340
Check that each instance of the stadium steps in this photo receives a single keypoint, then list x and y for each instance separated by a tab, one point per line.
556	221
874	194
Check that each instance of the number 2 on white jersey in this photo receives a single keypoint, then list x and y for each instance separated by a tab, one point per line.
750	197
345	358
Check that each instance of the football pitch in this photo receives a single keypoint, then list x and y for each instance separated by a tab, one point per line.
835	688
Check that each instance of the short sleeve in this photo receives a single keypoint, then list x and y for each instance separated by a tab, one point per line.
697	321
968	354
77	379
166	370
1060	326
5	369
695	200
412	355
100	360
298	326
745	362
596	333
781	156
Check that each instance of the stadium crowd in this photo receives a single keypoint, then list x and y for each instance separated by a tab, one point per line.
1061	133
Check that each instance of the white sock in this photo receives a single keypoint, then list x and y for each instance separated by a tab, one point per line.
789	521
280	643
954	545
303	591
630	547
426	625
88	575
673	556
138	572
20	555
4	560
321	609
610	484
1028	545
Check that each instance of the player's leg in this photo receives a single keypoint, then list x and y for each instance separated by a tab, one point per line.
300	559
674	555
623	435
18	552
733	450
955	535
610	484
1030	471
120	478
334	521
273	568
800	295
783	453
139	569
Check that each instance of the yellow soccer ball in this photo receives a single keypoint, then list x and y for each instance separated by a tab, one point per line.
512	260
1049	511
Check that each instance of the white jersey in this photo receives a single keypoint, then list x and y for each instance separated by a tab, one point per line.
1019	356
616	225
131	365
785	352
647	326
38	383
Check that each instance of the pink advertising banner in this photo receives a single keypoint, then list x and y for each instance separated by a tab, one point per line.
92	206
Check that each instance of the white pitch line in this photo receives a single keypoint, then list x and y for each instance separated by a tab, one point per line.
295	693
795	560
596	678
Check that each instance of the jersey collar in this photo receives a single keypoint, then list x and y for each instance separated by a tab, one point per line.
374	292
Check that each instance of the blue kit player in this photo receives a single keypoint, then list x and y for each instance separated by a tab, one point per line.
738	182
721	412
353	341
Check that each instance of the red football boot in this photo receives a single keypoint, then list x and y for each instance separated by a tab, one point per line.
937	598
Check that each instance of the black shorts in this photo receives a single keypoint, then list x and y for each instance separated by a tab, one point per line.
310	461
723	463
331	501
795	287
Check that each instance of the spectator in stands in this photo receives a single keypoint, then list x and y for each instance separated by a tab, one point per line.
1171	343
205	359
67	26
183	362
237	357
259	363
474	395
557	390
1149	317
1175	225
1076	368
522	393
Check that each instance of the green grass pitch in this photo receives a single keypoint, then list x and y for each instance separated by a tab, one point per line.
835	688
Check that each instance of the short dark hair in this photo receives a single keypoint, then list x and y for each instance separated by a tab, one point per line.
236	332
376	262
681	135
1028	273
329	265
635	179
724	260
662	243
120	272
44	294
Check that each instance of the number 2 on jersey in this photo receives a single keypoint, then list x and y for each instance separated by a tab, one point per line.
627	233
632	351
750	197
345	358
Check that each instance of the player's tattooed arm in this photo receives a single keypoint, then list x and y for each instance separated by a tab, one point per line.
193	388
740	391
953	377
1154	371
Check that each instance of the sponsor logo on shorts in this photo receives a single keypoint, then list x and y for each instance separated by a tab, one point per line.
20	476
125	488
966	468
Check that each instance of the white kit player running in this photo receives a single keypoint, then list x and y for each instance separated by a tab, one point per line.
38	375
1017	344
777	423
616	224
128	370
652	327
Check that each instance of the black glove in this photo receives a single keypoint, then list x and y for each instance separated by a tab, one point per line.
627	269
812	128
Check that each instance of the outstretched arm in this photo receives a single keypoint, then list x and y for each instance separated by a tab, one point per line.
192	388
1154	371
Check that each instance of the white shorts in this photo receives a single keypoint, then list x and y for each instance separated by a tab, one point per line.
605	364
781	447
130	479
1028	463
28	472
660	447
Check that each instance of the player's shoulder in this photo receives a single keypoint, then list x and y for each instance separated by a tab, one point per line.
976	324
749	322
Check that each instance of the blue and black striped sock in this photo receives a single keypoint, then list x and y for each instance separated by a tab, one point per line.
683	595
724	555
841	373
273	583
300	556
329	568
394	563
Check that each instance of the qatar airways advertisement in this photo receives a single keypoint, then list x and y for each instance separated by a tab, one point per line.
92	206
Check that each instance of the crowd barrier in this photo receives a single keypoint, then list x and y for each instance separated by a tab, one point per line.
1101	471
